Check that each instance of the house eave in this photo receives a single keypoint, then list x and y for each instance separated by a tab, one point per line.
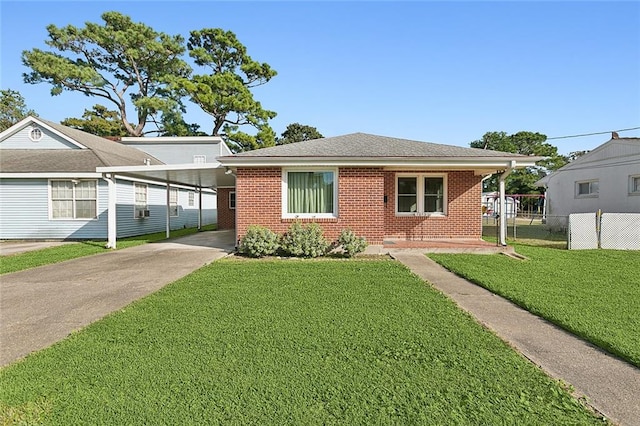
49	175
433	163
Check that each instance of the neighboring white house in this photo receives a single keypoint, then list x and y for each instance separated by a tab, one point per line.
606	178
51	188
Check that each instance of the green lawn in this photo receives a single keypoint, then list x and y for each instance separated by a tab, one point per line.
592	293
287	342
31	259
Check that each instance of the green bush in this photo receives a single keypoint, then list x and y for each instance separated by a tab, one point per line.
350	243
304	241
259	242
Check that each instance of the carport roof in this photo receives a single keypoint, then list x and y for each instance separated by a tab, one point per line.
207	175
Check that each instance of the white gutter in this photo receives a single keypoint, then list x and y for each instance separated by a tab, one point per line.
436	163
503	204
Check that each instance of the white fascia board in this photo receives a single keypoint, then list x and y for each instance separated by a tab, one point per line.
158	168
446	163
172	140
55	175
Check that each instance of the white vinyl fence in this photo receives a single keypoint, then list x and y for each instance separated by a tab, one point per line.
617	231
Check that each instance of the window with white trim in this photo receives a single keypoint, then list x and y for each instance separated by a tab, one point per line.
173	202
141	203
309	193
232	200
192	199
587	188
421	194
35	134
634	185
74	199
199	159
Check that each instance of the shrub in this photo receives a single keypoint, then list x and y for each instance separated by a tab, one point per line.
304	241
259	242
350	243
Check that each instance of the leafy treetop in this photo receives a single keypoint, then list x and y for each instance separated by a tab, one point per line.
297	132
12	108
526	143
224	92
112	61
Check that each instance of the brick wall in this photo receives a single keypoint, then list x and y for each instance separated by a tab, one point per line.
226	216
463	219
361	206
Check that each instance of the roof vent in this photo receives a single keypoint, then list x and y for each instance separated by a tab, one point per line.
147	161
614	135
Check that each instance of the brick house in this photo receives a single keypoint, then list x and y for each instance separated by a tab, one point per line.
382	188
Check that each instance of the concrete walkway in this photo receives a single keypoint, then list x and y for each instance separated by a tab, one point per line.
611	386
41	306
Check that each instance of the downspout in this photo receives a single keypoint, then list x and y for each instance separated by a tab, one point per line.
111	210
503	204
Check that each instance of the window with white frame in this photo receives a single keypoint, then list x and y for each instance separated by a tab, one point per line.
309	193
141	203
35	134
421	194
192	199
587	188
173	202
232	200
634	185
74	199
199	159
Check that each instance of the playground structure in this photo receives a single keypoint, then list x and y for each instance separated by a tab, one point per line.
519	209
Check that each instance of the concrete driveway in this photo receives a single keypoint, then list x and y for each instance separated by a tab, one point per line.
41	306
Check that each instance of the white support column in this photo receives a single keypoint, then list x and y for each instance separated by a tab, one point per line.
168	227
503	214
199	209
112	222
503	203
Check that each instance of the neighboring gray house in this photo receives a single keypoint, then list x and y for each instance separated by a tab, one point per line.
193	149
606	178
50	187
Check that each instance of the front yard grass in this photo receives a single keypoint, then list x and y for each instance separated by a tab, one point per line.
287	342
594	294
32	259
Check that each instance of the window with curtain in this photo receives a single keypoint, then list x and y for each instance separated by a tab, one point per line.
310	193
421	194
72	199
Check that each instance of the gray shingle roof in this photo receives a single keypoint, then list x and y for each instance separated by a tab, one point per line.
100	152
109	153
363	145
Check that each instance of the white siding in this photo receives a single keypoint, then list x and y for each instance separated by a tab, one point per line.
611	165
25	213
20	140
129	225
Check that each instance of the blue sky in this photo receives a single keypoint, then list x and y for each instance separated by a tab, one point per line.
442	72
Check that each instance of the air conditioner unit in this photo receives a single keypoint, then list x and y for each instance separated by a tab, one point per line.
145	213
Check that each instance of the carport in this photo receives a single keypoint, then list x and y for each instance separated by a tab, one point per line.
199	177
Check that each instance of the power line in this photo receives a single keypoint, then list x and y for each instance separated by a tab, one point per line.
592	134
